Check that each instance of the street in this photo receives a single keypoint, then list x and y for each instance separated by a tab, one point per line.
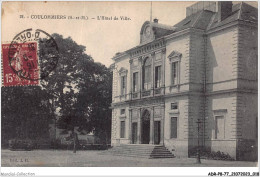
94	158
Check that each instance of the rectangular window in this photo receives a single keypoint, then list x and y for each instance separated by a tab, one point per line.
173	127
122	129
135	81
123	85
174	106
174	73
147	78
157	76
219	127
122	111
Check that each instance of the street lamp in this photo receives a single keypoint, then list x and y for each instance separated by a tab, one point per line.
198	148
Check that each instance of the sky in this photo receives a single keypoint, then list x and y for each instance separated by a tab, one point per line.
102	38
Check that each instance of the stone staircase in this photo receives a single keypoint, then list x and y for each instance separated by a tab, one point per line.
141	150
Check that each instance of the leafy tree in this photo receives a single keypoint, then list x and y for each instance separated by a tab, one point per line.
78	90
26	113
81	89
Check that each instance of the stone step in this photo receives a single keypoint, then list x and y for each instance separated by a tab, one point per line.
143	151
140	151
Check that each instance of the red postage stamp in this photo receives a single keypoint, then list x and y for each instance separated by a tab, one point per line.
20	64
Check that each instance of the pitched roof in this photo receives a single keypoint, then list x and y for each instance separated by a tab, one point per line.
206	20
199	20
241	11
161	29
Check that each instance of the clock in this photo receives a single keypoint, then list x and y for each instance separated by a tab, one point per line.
147	31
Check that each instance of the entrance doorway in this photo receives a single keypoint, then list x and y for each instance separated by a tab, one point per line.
145	134
157	132
134	133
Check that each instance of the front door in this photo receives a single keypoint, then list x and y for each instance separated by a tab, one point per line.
134	133
157	132
145	133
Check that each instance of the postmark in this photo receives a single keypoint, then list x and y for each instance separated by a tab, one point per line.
31	56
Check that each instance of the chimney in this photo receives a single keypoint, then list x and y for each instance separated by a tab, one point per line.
224	9
155	20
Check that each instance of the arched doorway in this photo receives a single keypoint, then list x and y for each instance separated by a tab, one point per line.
145	136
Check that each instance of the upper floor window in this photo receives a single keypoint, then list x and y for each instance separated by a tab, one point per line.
174	106
123	80
123	85
157	76
174	73
174	60
122	111
147	74
135	81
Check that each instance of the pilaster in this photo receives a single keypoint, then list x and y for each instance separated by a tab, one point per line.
152	126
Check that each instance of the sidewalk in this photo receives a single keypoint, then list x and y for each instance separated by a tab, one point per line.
92	158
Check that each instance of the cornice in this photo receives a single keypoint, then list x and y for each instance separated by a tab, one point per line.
120	55
150	47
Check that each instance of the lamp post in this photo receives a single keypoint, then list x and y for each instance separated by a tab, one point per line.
198	148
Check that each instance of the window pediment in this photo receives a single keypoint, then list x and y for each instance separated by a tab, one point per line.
122	71
174	56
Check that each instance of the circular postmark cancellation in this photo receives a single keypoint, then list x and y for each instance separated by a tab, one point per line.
33	54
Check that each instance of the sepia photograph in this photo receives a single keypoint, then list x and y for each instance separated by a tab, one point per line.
130	84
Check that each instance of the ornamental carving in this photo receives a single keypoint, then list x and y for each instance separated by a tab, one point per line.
122	71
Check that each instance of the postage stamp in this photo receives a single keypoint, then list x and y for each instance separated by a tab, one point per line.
20	64
31	56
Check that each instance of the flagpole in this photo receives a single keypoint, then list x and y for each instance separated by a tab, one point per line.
151	11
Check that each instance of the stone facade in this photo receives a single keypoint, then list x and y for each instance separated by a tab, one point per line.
203	69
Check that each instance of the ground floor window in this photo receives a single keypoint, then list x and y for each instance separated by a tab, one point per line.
173	127
122	129
219	127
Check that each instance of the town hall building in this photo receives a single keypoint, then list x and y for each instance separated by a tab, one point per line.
191	84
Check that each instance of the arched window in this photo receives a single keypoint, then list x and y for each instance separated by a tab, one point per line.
147	74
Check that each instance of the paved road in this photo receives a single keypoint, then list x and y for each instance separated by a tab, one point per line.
91	158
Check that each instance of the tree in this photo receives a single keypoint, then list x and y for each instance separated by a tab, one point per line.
78	90
26	113
81	89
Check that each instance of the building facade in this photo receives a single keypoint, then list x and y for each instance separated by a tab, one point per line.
191	84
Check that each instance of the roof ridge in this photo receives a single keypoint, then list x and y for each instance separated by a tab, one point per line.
240	12
211	21
197	18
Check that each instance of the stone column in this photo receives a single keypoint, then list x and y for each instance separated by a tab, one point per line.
162	125
139	127
163	69
152	68
152	126
140	74
130	126
131	79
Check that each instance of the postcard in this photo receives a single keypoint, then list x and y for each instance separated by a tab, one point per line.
130	84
